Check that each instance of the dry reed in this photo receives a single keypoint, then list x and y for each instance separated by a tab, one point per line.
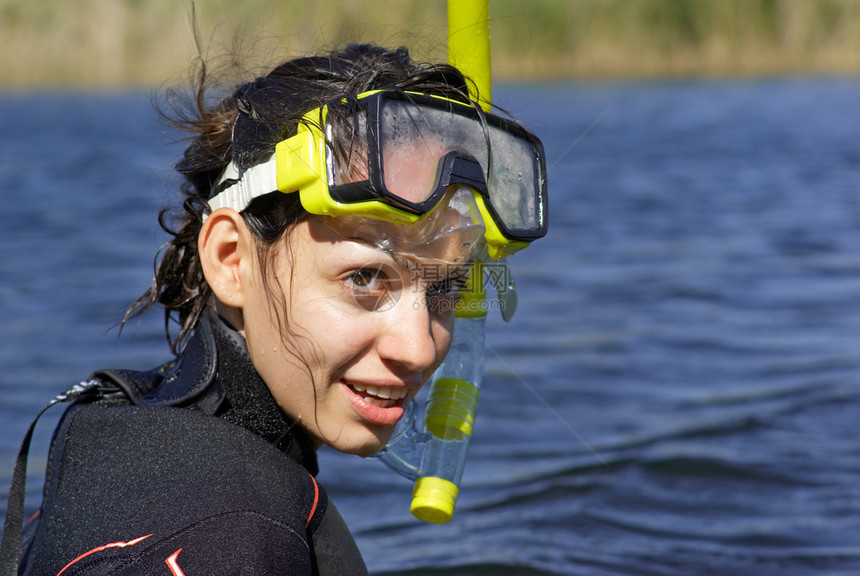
114	43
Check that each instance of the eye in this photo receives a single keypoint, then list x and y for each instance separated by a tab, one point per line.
368	279
372	288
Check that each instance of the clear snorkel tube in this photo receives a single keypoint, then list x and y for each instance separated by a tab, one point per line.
434	453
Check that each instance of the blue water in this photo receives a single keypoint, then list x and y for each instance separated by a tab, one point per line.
678	393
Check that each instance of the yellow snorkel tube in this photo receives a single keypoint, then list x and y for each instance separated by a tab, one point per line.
435	454
469	45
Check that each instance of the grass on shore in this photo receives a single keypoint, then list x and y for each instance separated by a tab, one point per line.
110	43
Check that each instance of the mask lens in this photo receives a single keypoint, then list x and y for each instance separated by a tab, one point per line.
514	180
349	159
414	138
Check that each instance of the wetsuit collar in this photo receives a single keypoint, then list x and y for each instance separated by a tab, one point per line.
248	401
214	374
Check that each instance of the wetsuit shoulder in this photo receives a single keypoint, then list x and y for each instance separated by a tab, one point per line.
131	488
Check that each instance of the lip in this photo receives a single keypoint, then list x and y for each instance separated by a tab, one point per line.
377	415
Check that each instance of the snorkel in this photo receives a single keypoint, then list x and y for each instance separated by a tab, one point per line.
434	453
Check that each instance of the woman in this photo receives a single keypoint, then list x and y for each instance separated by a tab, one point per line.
331	210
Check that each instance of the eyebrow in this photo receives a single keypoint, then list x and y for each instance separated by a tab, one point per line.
401	261
398	259
406	263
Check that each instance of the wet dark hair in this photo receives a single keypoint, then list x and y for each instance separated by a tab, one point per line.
245	127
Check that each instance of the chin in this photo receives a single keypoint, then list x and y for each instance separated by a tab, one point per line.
365	443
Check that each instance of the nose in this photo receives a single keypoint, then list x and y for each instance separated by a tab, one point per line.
408	338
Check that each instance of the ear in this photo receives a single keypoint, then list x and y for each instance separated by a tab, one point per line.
226	255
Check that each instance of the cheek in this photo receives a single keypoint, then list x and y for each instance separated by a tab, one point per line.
267	345
273	348
329	339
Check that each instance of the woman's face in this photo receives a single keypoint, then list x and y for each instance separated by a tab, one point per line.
349	333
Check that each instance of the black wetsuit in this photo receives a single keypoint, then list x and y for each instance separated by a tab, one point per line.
188	469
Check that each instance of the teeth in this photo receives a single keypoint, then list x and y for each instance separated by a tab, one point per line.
385	392
378	392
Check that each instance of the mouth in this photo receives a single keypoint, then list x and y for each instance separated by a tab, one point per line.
379	405
381	396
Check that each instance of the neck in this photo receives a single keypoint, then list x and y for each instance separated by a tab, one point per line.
247	400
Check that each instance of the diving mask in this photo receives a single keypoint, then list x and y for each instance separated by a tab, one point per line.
394	156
